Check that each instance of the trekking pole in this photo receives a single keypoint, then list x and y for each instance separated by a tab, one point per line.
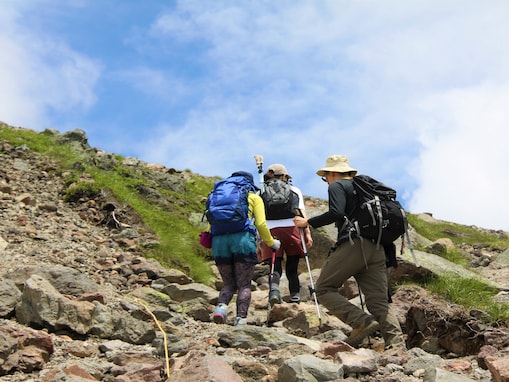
362	306
406	235
271	274
411	247
259	164
298	212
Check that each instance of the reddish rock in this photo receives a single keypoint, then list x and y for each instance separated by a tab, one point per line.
499	369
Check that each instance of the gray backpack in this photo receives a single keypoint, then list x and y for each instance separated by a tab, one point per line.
279	199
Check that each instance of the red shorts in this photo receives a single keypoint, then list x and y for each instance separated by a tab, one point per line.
291	243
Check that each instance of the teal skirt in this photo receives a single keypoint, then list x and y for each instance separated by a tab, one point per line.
235	247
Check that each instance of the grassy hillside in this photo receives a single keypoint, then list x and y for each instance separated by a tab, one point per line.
459	234
170	203
164	201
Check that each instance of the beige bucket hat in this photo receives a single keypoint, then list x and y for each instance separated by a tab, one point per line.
278	169
336	163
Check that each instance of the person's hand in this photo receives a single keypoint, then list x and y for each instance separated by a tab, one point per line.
259	253
300	222
276	245
308	238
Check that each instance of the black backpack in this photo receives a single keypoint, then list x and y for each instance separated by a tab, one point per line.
279	199
377	214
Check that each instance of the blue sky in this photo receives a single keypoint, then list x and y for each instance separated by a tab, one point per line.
415	93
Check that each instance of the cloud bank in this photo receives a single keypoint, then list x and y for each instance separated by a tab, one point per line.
414	93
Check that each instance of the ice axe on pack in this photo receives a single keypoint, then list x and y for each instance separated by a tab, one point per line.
312	290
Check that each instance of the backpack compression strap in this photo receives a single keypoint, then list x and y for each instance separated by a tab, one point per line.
378	206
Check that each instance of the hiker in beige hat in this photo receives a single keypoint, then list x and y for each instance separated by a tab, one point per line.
365	261
283	228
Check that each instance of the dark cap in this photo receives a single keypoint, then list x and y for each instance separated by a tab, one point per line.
247	176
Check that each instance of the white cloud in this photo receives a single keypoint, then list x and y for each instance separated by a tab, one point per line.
462	168
40	75
402	88
345	78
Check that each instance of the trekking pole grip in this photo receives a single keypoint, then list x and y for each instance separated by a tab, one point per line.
298	212
259	162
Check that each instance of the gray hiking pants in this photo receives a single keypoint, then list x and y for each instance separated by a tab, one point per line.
346	261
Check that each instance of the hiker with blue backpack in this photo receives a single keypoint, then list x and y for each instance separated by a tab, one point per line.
281	200
353	255
236	214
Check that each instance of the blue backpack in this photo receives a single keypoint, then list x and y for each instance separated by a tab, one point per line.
227	206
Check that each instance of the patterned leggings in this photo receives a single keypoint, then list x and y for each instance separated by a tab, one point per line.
237	277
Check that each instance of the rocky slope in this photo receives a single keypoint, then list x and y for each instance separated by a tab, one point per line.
80	302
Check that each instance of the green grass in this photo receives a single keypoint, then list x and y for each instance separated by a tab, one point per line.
456	256
40	143
80	190
169	218
457	233
179	246
470	293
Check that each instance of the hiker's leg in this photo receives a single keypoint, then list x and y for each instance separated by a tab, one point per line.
294	251
344	262
373	284
224	261
227	273
292	246
278	267
245	258
391	330
393	335
292	265
274	278
278	263
244	273
267	258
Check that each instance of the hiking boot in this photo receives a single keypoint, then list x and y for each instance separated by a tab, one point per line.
396	346
240	321
395	343
274	297
295	297
220	314
368	327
